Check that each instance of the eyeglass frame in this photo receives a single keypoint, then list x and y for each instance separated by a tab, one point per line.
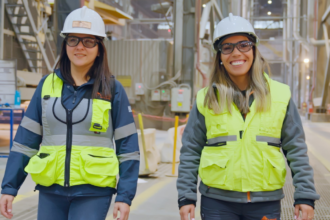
251	44
80	39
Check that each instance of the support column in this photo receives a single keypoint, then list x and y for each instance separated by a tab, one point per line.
188	44
178	29
2	17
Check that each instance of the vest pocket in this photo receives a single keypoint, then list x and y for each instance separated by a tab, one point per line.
212	169
274	172
42	168
100	115
99	168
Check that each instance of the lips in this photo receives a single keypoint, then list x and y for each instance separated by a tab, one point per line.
237	62
79	55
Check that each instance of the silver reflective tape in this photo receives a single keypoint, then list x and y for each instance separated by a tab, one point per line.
222	139
31	125
129	156
268	139
17	147
125	131
92	141
78	140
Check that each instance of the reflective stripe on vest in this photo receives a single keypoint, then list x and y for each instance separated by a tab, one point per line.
245	155
77	146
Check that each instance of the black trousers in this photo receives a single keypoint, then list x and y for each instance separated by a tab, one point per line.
214	209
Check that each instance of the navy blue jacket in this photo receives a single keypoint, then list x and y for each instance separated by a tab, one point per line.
25	138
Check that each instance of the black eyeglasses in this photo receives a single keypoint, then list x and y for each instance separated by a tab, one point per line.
88	42
243	46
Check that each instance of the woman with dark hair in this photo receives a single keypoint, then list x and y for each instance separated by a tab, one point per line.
65	140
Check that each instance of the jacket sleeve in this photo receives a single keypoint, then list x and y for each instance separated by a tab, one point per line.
295	150
127	147
193	141
25	145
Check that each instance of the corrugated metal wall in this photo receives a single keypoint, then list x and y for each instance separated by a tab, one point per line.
143	60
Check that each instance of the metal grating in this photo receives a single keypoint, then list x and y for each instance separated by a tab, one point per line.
322	206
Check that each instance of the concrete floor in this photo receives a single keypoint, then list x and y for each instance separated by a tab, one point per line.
156	198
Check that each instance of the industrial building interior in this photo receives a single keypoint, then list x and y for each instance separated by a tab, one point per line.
161	52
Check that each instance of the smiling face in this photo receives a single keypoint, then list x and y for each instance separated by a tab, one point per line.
237	63
81	56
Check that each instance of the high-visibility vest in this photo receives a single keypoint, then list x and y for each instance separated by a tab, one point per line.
245	156
77	146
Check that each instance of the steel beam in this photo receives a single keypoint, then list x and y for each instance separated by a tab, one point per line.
2	17
149	21
325	89
178	31
189	47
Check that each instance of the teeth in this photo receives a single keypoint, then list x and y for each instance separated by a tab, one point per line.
237	63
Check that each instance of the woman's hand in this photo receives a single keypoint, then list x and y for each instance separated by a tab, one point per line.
307	212
6	204
186	210
123	208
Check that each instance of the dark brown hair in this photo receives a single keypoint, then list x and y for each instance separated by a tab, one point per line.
99	71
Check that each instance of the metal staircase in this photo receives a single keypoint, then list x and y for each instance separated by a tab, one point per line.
39	54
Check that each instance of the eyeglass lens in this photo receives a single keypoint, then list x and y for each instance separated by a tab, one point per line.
86	41
243	46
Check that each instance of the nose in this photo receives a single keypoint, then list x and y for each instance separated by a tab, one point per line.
236	52
80	45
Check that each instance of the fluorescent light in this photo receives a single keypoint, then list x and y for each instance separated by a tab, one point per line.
204	5
269	13
270	2
306	60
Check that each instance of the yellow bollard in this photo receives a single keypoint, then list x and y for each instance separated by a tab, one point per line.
175	138
143	142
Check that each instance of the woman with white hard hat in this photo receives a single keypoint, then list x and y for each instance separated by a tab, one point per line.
65	140
236	131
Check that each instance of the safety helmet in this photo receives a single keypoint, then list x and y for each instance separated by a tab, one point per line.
84	21
232	25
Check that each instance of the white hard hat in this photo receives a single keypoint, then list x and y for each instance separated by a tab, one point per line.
232	25
84	21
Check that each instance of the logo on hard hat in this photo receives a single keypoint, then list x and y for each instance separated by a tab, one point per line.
81	24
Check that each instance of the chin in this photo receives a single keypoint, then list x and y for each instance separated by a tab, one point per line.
239	73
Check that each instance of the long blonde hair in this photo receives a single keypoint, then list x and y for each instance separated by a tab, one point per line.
229	92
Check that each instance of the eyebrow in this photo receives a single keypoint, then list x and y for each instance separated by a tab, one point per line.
236	42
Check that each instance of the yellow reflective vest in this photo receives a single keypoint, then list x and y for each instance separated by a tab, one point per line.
77	145
245	156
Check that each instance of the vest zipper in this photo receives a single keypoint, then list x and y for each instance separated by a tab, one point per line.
74	97
68	149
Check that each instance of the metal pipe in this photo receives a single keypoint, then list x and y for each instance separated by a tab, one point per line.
326	38
296	7
318	42
289	46
244	9
178	33
176	124
315	55
275	18
2	17
143	143
284	33
198	7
